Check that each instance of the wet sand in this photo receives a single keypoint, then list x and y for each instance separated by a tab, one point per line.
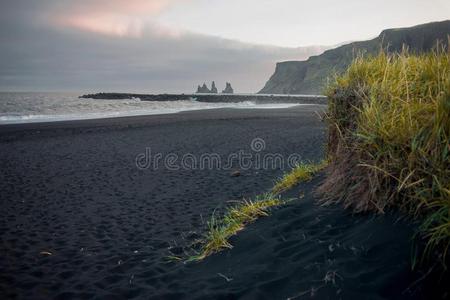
80	220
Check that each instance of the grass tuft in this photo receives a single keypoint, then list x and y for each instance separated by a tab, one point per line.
389	139
301	173
235	218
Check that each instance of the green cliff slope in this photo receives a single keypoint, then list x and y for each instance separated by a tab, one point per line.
310	76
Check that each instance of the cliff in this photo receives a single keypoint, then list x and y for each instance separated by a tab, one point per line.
310	76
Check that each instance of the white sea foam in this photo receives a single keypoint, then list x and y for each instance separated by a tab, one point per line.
18	108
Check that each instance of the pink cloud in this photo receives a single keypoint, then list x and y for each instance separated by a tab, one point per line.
129	7
124	18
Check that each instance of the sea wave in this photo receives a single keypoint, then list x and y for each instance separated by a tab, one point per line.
16	108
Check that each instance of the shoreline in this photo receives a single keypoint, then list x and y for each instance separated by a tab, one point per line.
142	120
142	113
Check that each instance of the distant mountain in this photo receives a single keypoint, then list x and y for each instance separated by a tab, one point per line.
310	76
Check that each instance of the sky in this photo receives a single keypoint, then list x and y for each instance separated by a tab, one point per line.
174	45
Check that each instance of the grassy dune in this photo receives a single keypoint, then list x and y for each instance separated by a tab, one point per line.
389	130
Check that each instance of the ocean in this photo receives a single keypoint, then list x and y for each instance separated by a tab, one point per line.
24	107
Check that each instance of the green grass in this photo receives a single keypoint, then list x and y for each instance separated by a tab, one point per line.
389	133
236	217
301	173
220	230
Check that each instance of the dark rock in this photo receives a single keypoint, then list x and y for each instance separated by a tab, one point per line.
203	89
213	88
212	98
228	89
235	174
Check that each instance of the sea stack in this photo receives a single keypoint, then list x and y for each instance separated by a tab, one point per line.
228	89
203	89
213	88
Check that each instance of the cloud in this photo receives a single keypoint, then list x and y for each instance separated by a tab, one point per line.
112	17
127	7
37	54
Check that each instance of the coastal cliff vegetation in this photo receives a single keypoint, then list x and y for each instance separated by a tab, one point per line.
389	140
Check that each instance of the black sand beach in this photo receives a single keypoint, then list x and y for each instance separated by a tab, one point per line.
80	220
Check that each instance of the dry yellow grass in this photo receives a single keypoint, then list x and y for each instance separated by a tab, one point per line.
389	132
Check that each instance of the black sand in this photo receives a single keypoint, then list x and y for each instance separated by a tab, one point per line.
80	220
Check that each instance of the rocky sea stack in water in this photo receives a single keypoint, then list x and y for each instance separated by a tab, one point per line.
205	90
213	88
228	89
